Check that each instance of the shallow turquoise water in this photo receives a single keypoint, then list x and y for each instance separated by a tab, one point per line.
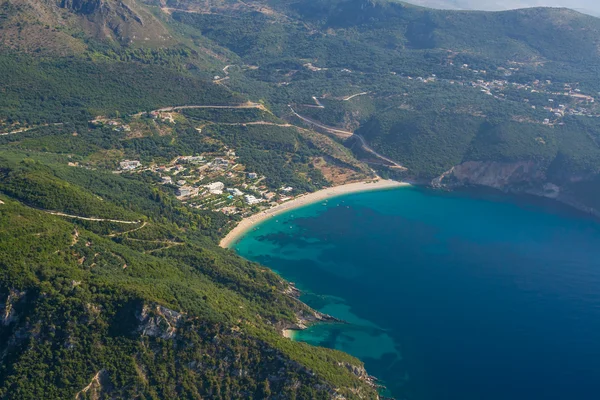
448	296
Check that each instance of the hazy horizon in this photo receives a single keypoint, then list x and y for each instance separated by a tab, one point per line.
589	6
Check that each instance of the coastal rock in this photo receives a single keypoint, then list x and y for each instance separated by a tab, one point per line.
551	190
519	177
494	174
292	291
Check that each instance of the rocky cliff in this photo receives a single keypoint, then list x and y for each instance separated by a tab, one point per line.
56	27
521	177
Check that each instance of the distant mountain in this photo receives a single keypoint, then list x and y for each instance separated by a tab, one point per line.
59	25
114	287
585	6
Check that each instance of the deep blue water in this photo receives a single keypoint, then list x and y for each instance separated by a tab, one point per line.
448	296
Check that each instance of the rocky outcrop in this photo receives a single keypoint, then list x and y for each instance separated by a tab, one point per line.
125	21
102	8
86	7
7	310
305	316
158	321
516	177
499	175
98	388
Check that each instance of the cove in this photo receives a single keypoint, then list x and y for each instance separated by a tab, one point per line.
448	295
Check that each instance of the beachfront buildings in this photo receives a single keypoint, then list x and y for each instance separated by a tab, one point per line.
250	199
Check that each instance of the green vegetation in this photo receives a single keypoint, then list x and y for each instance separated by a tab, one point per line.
443	87
105	292
282	155
60	90
236	115
129	296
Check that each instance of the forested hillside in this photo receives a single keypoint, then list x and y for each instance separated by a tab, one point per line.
114	289
135	134
483	92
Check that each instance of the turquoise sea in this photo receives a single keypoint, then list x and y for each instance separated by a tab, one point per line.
457	296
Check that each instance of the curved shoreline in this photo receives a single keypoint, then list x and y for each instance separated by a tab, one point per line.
247	223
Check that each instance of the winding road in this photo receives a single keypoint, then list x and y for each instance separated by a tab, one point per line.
245	105
355	95
346	135
60	214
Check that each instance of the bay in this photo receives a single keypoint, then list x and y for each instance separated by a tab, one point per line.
448	295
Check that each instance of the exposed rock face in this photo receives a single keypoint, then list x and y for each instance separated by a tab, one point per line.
356	370
8	314
124	21
98	388
86	7
498	175
517	177
292	291
158	321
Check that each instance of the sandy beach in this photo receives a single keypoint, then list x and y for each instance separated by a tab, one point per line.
303	200
289	333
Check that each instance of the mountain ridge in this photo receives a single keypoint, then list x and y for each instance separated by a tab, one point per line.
91	129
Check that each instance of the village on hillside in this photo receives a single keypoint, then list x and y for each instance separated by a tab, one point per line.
214	181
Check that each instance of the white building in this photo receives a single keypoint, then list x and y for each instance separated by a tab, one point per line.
128	165
215	186
250	199
191	159
235	192
220	161
252	175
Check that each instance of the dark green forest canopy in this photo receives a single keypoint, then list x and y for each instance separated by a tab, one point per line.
59	90
131	287
153	292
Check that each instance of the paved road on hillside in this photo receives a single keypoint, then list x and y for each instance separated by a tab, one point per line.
346	135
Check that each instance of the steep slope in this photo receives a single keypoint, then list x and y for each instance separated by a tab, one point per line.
537	69
58	26
123	292
149	310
